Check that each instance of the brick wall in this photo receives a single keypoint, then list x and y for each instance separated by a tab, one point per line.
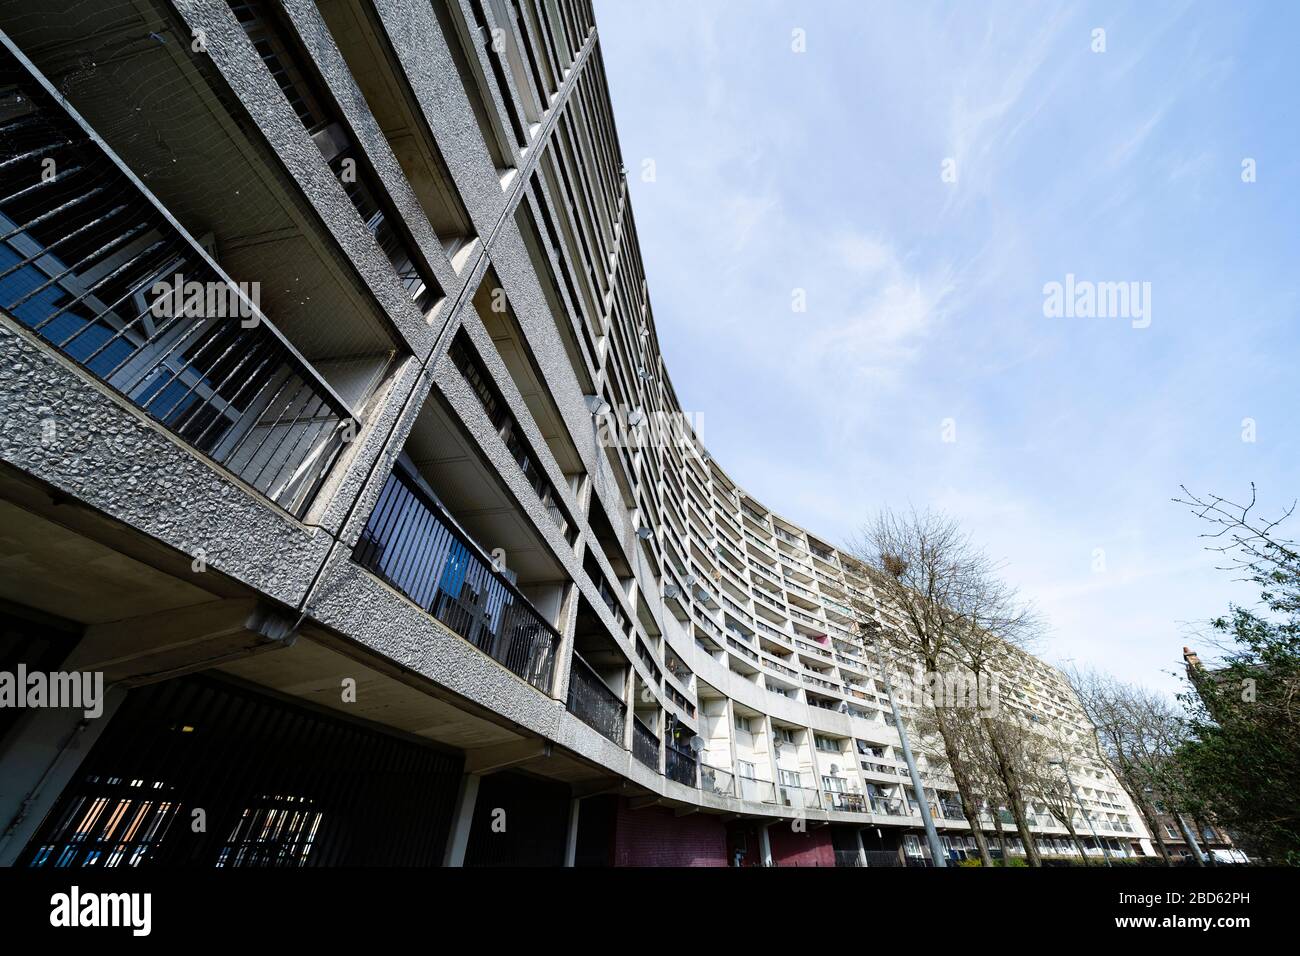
655	837
811	848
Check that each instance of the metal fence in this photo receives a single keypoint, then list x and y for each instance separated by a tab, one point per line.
680	766
593	702
413	544
645	745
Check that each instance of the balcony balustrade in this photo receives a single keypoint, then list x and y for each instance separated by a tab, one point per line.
801	798
686	706
756	791
647	658
742	649
951	811
593	702
680	765
92	264
714	780
645	745
847	802
414	545
888	806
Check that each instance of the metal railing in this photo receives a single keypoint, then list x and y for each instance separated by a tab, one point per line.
93	264
888	806
593	702
645	744
680	765
848	802
414	545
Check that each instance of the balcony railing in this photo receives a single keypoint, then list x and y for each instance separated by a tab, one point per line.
888	806
593	702
413	544
847	802
645	745
680	765
85	256
756	791
804	798
713	780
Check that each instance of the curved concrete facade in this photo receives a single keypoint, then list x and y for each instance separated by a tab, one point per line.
529	403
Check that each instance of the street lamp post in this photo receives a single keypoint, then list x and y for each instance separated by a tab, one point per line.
1086	816
918	789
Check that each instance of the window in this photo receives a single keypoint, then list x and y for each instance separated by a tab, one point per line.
785	735
745	769
742	723
791	778
827	744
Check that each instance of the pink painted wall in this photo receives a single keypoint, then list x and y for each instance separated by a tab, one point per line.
655	837
813	847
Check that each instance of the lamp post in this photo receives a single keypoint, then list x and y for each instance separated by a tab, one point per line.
918	790
1086	816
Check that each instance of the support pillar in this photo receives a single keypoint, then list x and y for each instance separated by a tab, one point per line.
571	839
40	756
765	844
462	819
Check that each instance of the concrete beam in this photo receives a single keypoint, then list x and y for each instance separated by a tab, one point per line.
153	647
604	787
483	760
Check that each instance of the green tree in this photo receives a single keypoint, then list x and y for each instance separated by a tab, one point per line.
1240	764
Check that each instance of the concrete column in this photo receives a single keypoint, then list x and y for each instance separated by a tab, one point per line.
571	839
862	850
765	844
629	703
729	715
41	755
458	838
769	736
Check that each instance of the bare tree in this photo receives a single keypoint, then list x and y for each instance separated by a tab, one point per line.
1049	751
947	609
1014	756
965	727
1137	731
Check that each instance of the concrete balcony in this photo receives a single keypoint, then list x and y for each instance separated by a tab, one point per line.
92	265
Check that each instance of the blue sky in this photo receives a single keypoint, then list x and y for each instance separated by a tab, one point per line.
776	170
